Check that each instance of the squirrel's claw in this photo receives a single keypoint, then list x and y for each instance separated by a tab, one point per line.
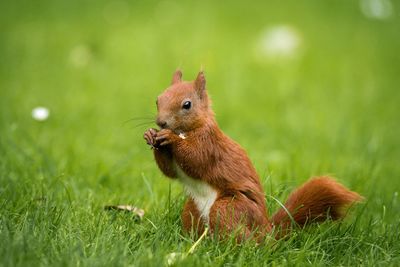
165	137
166	142
149	136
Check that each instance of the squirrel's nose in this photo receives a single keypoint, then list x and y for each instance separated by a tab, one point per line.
161	123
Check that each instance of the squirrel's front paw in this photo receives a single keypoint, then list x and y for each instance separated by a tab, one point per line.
150	137
166	137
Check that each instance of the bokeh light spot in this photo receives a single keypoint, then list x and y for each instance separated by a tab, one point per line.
376	9
40	113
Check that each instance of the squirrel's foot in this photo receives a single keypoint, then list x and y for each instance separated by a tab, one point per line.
150	137
165	137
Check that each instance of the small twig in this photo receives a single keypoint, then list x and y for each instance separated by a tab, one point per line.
191	250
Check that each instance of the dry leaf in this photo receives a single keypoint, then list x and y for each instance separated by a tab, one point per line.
127	208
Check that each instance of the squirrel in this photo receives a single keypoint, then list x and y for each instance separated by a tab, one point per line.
224	191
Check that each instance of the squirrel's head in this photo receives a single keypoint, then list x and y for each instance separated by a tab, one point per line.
184	106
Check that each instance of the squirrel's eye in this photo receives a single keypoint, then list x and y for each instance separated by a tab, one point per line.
187	105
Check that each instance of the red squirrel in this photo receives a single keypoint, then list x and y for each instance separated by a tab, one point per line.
224	191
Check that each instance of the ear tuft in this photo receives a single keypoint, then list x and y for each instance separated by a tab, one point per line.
177	77
200	83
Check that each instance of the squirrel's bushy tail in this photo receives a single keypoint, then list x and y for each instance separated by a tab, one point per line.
315	201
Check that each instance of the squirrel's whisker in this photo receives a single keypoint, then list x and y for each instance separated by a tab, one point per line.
142	124
147	119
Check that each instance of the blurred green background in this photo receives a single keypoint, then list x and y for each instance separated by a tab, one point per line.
307	88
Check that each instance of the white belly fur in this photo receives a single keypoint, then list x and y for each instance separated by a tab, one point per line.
202	193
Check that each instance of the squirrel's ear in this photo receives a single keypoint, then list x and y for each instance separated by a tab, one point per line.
200	83
177	77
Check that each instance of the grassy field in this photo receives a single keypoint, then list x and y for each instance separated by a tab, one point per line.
328	103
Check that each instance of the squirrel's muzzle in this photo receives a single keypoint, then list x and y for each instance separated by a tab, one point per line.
161	123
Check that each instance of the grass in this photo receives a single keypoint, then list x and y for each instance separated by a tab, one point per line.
331	109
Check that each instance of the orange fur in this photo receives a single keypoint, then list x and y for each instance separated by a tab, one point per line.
315	201
219	174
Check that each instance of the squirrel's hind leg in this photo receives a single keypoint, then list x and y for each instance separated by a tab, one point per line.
191	220
231	216
227	216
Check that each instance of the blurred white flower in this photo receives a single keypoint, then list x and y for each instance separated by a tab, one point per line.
173	257
376	9
40	113
279	41
80	56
